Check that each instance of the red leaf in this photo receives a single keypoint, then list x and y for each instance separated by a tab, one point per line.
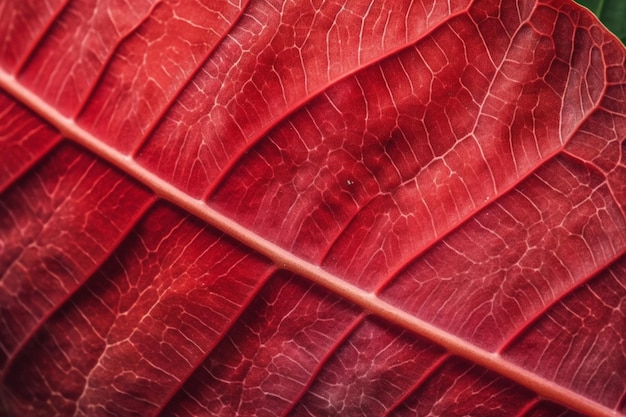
311	208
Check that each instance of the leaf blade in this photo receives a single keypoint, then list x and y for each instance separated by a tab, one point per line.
320	267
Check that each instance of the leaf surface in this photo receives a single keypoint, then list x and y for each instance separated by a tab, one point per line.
311	208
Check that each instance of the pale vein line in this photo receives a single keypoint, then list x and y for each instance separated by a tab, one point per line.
287	260
36	42
294	107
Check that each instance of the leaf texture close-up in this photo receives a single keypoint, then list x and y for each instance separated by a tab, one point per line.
311	208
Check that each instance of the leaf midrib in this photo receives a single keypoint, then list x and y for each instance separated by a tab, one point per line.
286	260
